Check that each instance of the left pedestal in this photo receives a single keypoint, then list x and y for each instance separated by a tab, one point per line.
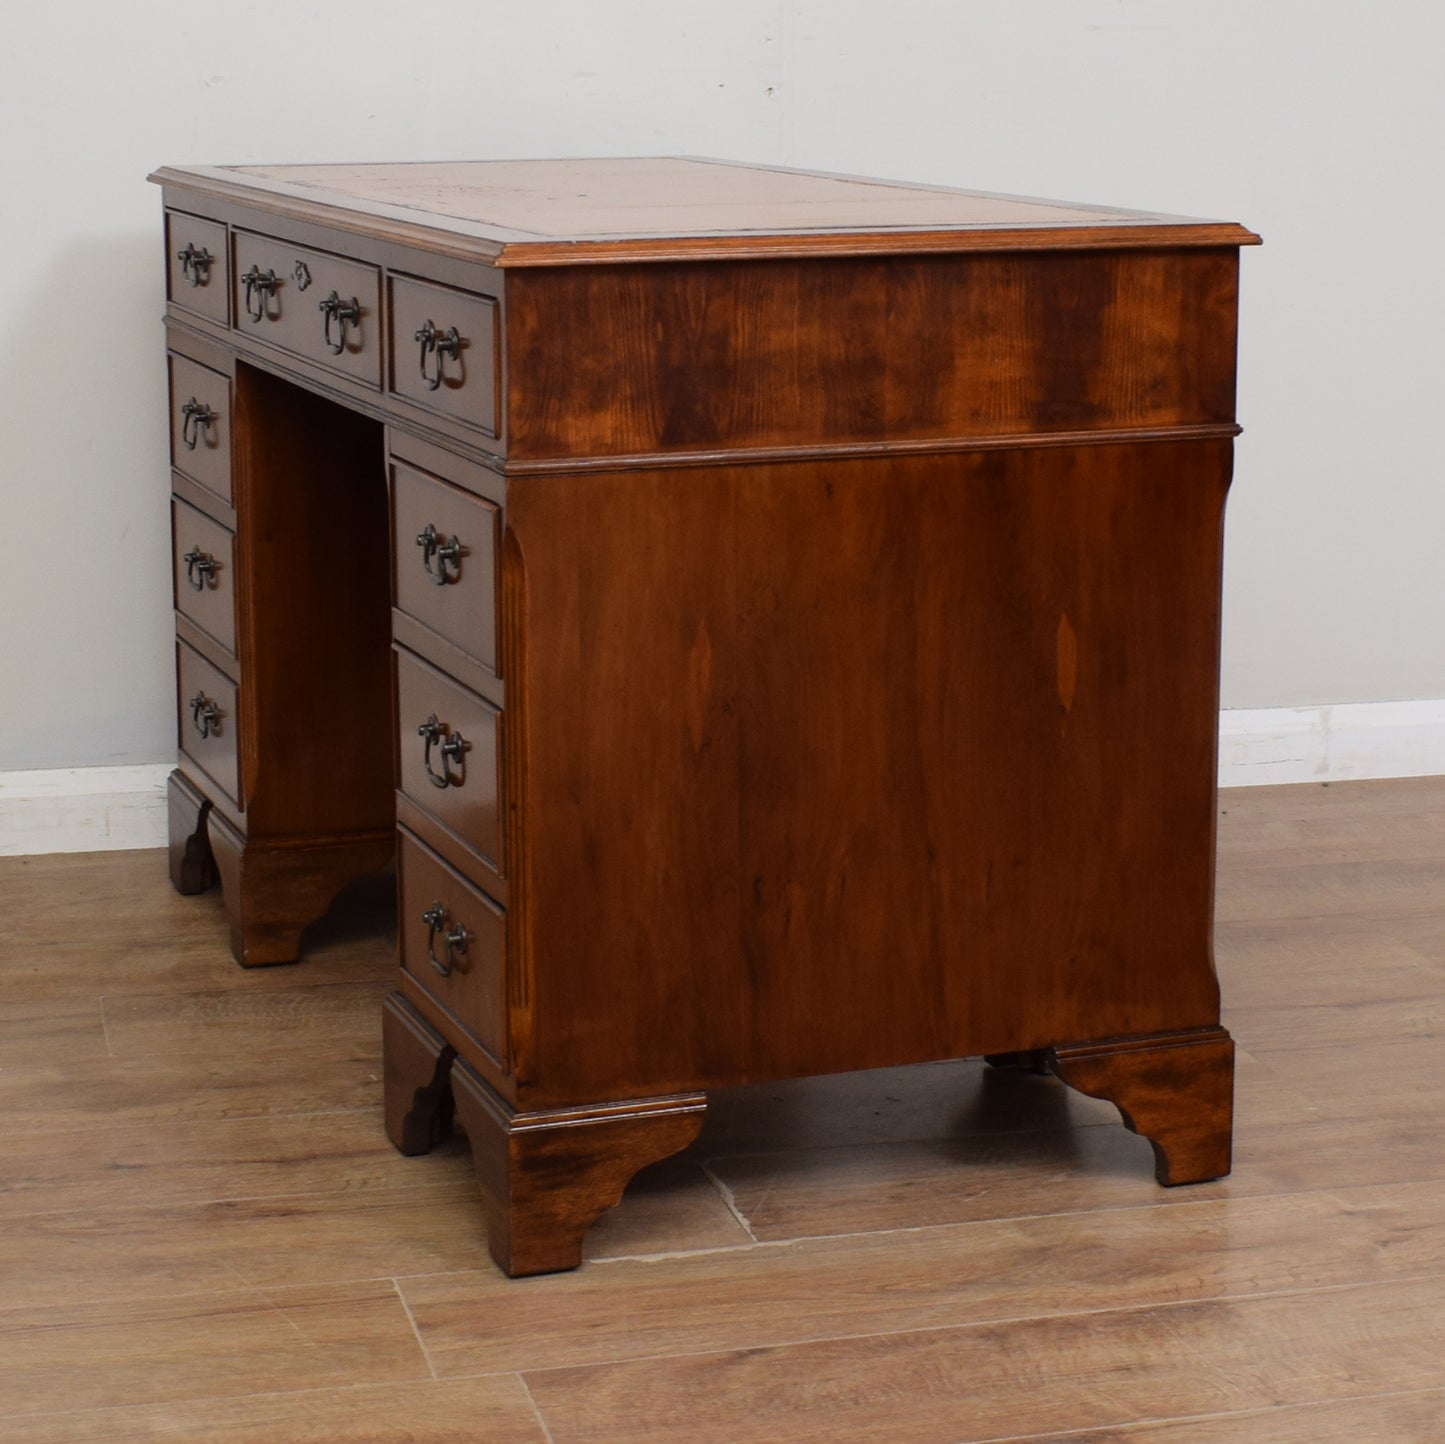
284	792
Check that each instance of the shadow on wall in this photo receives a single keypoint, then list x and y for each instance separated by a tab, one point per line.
84	585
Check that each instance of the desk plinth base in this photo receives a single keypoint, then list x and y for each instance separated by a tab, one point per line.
1175	1089
274	890
192	864
545	1176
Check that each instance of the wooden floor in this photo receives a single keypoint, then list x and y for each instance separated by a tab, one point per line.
205	1236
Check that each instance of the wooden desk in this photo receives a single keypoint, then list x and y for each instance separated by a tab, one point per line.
800	650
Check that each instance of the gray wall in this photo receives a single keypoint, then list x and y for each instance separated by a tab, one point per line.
1316	122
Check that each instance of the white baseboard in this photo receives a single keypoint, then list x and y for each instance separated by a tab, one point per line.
83	809
94	809
1340	743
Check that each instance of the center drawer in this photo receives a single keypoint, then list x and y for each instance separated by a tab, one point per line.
310	303
448	754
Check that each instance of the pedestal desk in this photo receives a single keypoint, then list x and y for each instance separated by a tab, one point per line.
774	617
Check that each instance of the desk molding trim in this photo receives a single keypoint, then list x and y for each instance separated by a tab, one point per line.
863	450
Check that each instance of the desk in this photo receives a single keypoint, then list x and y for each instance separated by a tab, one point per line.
775	615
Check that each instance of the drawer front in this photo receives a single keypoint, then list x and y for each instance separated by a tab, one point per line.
209	720
309	303
452	942
448	754
201	425
203	572
197	266
445	544
444	351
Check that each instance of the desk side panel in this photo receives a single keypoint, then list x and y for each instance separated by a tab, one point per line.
846	765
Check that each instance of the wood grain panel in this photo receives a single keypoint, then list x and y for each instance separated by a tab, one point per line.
893	831
624	360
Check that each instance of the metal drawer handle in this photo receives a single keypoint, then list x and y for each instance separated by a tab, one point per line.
200	568
446	553
344	313
432	340
259	285
195	265
452	749
205	716
435	918
196	415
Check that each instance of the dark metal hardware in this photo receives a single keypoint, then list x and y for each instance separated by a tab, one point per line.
446	553
301	272
205	716
259	284
432	340
345	313
200	568
452	749
435	918
196	416
195	265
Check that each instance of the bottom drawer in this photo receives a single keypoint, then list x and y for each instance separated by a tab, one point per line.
451	938
208	720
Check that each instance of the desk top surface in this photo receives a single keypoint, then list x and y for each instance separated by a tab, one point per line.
550	212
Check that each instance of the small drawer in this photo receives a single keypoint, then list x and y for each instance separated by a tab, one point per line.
444	351
209	720
448	754
201	425
452	942
444	550
203	572
309	303
197	273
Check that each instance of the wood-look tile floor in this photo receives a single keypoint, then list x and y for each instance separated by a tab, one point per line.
204	1234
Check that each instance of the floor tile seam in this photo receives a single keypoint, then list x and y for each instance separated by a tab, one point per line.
536	1410
105	1027
416	1332
310	1193
1121	1208
729	1201
245	988
261	1290
796	1240
1257	1412
1002	1321
243	1284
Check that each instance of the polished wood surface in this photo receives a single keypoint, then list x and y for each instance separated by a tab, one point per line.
801	664
207	1236
560	212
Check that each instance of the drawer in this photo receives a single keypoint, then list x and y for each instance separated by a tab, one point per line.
444	351
201	425
203	572
452	942
209	720
309	303
448	754
197	266
444	547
